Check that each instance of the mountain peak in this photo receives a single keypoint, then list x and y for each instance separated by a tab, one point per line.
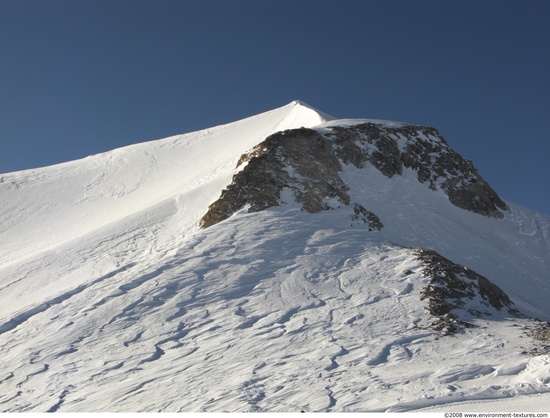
304	107
299	103
302	104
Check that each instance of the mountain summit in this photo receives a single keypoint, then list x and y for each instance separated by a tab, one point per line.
289	261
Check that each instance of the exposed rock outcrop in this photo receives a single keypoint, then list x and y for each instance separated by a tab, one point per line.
540	334
424	150
302	160
367	217
456	291
308	163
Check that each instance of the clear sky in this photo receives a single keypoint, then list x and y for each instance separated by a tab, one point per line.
78	77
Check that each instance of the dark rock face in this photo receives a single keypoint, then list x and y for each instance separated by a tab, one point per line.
367	217
455	289
425	151
308	163
301	160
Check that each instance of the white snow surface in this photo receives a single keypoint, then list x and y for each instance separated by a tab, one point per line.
114	300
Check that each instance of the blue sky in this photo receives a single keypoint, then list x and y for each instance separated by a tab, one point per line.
78	77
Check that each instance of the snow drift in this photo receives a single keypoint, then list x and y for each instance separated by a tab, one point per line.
308	291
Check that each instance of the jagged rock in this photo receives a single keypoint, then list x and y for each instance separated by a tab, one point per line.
425	151
452	287
301	160
308	162
362	214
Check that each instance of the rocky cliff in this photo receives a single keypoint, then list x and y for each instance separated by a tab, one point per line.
307	164
457	294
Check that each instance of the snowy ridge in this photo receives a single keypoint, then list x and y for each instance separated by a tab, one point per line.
161	188
115	299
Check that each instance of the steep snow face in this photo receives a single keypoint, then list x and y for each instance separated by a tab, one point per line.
157	190
513	252
113	299
44	207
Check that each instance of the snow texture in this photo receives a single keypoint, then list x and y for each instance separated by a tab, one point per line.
115	300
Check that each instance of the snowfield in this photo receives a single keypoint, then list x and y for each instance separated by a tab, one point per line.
113	299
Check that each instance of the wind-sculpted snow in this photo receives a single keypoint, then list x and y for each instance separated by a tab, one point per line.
272	311
113	299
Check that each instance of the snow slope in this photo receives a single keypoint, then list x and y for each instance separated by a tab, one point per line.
114	300
156	190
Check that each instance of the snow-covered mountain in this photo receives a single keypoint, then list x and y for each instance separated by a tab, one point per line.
289	261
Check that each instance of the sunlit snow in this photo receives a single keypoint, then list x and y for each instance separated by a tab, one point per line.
114	300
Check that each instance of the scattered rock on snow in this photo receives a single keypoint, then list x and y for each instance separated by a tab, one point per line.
456	293
541	336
